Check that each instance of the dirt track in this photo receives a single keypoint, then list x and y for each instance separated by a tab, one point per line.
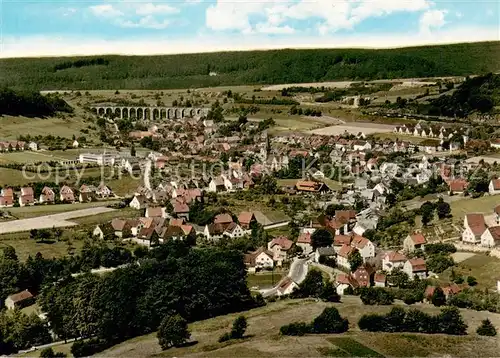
50	221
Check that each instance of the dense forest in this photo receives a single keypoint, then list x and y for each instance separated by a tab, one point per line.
480	93
251	67
31	104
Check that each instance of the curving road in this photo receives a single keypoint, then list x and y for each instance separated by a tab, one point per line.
298	272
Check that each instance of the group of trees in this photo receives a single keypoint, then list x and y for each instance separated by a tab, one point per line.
82	63
252	67
19	331
172	279
428	209
376	296
31	104
315	286
306	112
329	321
448	321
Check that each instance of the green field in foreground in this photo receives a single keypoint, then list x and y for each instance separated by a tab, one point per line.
39	210
263	339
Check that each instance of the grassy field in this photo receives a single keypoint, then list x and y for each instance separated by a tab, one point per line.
484	268
484	204
39	210
263	339
264	280
394	136
12	127
25	247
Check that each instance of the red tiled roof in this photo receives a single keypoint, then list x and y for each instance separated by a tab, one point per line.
20	296
345	250
393	256
379	277
418	264
245	217
495	232
458	185
345	215
304	238
340	240
496	184
476	223
283	242
223	219
418	239
359	242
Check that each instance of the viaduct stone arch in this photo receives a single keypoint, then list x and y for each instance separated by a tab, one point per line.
148	113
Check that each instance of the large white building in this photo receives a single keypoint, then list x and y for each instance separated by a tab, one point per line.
100	159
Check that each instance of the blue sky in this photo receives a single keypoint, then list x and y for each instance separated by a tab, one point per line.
61	27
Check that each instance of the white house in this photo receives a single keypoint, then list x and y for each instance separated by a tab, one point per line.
414	242
216	185
286	287
33	146
474	227
327	252
304	242
361	145
491	237
344	281
279	247
343	256
259	259
494	187
364	246
234	230
415	267
138	202
393	260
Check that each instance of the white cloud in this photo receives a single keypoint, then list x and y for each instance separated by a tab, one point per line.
459	15
136	14
329	15
432	19
152	9
266	28
105	10
68	11
37	46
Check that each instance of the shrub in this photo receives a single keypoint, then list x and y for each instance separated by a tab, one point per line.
471	281
330	321
376	296
371	322
295	329
486	329
439	262
88	347
449	321
173	331
225	337
438	298
49	353
239	327
417	321
329	293
431	249
394	320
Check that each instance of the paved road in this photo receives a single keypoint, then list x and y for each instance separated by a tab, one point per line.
147	173
298	272
50	221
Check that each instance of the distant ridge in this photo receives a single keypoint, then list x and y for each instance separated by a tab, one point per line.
247	67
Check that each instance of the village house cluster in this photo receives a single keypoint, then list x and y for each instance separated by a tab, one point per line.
26	196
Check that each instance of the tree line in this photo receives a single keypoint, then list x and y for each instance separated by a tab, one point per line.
31	104
251	67
193	283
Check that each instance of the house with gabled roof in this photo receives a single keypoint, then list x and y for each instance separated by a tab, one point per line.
47	196
245	219
343	256
6	197
491	237
260	259
415	267
365	247
66	194
393	260
286	286
343	281
494	187
415	241
280	246
474	227
304	242
138	202
27	196
19	300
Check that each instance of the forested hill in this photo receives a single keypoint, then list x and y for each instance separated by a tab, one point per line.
251	67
